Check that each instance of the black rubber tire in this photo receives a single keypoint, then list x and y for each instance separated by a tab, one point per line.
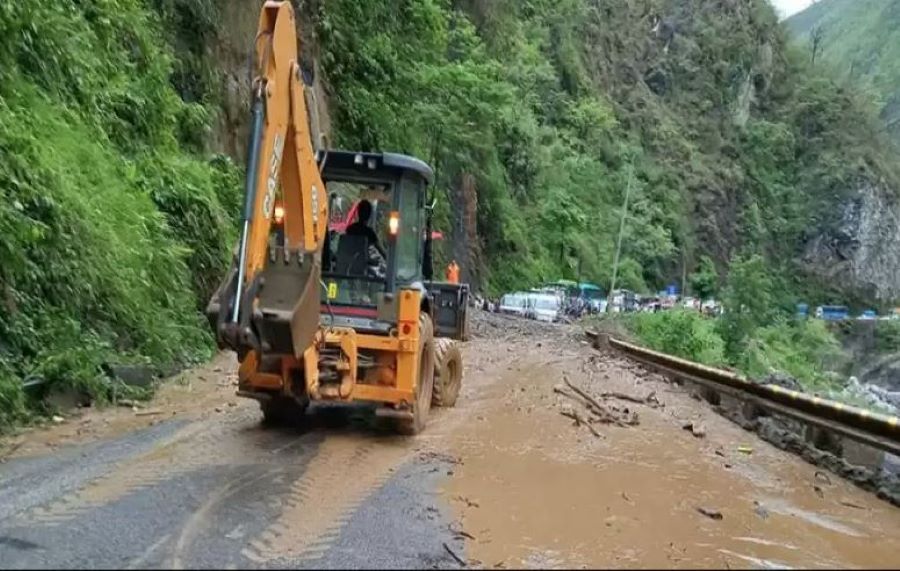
447	372
425	382
282	411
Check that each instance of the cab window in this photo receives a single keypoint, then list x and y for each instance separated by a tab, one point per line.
410	232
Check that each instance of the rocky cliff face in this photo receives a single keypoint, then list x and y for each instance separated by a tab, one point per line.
232	55
864	248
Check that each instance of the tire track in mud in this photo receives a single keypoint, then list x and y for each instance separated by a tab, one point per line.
347	469
344	472
202	516
227	442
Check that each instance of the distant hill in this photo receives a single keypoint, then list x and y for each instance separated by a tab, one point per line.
860	39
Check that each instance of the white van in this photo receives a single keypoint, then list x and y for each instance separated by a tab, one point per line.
545	307
513	304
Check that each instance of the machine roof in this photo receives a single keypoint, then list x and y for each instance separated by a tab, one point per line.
365	162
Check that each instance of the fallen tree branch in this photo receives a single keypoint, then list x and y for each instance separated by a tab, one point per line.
649	400
148	412
579	420
454	556
594	403
600	411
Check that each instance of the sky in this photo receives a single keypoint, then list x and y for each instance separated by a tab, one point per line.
790	7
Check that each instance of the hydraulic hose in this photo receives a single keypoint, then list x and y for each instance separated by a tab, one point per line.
256	131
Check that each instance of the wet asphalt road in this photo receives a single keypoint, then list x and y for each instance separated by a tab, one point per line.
214	493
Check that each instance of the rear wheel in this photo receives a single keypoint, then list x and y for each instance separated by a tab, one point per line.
425	382
282	411
447	372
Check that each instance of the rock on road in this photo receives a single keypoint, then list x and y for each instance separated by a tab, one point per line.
506	479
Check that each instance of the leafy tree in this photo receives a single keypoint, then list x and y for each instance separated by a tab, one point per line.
704	281
816	37
112	226
747	301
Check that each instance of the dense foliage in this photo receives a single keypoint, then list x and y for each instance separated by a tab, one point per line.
755	334
736	149
682	333
859	42
110	229
491	101
536	112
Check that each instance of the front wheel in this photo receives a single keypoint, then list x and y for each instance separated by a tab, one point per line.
425	382
447	372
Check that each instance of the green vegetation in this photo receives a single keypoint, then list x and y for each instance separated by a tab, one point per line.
761	336
704	281
857	41
682	333
887	335
748	302
492	100
756	334
533	111
805	350
113	230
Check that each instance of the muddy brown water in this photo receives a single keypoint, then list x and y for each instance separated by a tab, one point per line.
535	491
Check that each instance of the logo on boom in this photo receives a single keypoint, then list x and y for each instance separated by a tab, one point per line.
272	182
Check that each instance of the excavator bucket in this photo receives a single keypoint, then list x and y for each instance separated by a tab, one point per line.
284	295
287	299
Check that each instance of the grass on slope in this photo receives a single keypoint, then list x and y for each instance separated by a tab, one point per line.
111	232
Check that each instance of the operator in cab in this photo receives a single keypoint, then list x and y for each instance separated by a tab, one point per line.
362	228
376	255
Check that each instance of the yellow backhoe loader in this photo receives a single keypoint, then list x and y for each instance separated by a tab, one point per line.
318	314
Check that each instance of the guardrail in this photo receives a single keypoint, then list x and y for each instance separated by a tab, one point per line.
876	430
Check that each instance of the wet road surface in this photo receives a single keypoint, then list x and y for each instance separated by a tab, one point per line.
503	480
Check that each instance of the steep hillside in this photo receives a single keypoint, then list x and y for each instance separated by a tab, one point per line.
534	113
860	41
113	227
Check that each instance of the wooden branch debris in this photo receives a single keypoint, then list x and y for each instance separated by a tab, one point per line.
579	420
601	412
649	400
593	402
455	556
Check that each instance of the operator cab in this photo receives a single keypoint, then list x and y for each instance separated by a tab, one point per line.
370	253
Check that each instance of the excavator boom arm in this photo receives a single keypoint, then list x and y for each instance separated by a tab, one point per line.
280	159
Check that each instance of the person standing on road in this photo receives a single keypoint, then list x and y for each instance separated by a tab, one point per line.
453	272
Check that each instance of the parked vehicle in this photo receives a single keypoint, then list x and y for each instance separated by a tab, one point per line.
623	300
514	304
868	315
832	312
560	287
545	307
711	307
590	294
